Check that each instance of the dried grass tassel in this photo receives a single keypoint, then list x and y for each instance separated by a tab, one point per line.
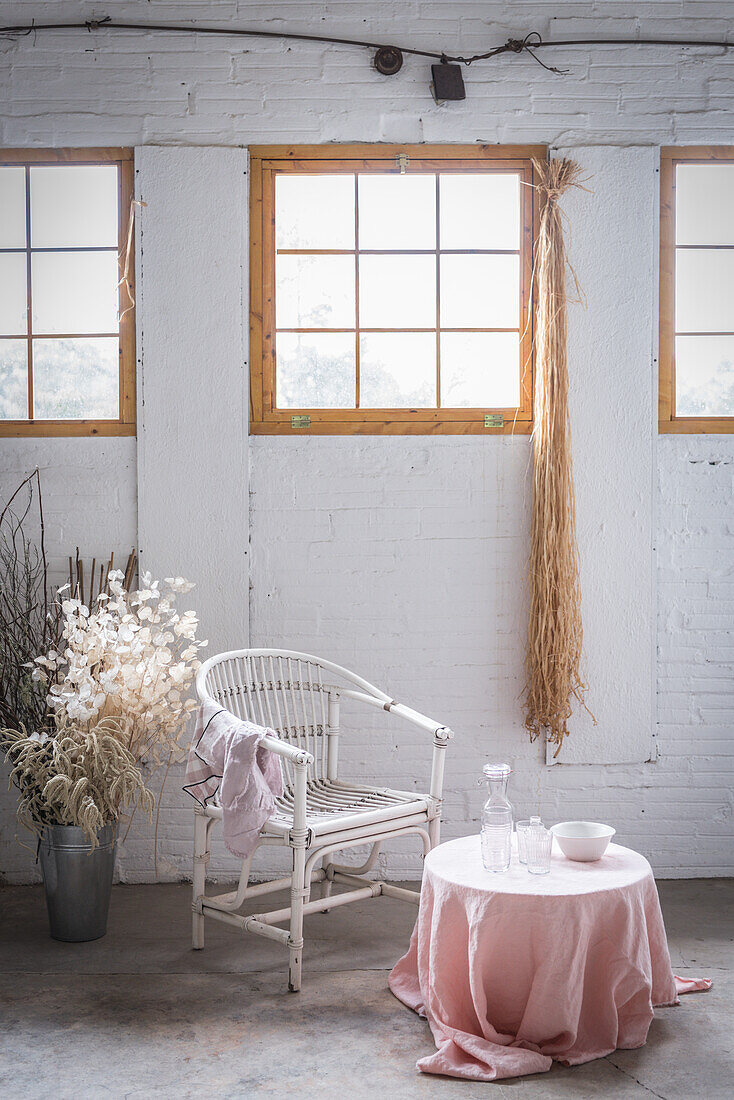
555	633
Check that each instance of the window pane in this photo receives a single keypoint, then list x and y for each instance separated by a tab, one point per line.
315	370
704	297
704	203
397	211
397	370
13	380
480	292
76	379
73	205
12	207
397	291
74	292
480	370
314	211
13	289
704	375
315	292
480	211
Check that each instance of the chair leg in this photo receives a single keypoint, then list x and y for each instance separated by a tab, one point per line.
328	883
434	831
202	827
295	939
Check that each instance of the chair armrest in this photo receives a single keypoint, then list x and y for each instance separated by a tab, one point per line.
288	752
438	729
420	720
280	748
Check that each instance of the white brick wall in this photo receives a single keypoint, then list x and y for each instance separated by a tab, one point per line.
403	557
696	645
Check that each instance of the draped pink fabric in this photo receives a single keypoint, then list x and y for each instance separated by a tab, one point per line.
227	760
515	970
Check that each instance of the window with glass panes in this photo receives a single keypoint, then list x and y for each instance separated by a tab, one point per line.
697	290
67	326
391	289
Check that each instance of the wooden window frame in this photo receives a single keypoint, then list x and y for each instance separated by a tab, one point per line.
125	423
668	422
265	162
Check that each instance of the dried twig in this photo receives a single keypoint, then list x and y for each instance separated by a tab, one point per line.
78	584
27	628
30	623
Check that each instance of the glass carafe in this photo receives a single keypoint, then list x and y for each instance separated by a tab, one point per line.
496	819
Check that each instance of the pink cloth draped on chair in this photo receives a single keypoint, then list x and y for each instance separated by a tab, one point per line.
515	970
226	759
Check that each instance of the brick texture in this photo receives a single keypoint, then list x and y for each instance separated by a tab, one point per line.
403	558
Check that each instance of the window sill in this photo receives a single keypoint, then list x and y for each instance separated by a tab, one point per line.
695	425
20	429
283	426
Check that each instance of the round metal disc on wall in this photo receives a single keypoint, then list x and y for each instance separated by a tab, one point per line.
388	60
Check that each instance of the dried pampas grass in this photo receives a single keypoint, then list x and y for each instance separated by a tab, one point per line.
555	635
74	777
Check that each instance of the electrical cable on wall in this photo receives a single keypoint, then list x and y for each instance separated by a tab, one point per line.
447	84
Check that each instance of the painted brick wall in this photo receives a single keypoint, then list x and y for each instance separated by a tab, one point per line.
696	646
405	559
431	530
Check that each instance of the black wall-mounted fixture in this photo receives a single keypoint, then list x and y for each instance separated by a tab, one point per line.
388	60
448	83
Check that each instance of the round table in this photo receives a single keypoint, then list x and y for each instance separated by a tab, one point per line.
515	970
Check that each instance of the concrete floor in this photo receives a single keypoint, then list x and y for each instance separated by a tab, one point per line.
138	1014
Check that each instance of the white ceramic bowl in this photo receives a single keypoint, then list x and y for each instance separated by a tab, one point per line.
583	841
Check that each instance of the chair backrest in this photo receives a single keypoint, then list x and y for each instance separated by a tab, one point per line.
287	691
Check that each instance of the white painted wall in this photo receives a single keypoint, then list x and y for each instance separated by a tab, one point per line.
192	408
610	348
404	557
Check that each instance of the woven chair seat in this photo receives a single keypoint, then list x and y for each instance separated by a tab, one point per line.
330	803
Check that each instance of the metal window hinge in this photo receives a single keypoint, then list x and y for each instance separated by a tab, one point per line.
402	160
493	420
300	422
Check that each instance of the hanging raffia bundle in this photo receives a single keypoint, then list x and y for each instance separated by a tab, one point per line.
555	634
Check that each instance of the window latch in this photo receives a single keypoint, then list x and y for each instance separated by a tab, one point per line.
402	160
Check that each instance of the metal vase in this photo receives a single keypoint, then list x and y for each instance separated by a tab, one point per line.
78	881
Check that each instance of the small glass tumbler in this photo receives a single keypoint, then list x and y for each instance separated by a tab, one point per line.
522	840
538	848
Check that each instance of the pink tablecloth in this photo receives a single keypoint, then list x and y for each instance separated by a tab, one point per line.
515	970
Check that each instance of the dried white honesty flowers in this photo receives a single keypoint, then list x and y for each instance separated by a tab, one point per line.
132	657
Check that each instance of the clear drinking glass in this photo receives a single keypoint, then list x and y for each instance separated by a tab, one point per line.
538	847
521	828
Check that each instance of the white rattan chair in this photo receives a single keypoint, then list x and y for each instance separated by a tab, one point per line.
298	696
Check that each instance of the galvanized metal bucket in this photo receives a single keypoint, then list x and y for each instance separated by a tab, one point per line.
78	881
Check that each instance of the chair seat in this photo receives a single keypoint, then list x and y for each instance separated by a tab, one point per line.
332	804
